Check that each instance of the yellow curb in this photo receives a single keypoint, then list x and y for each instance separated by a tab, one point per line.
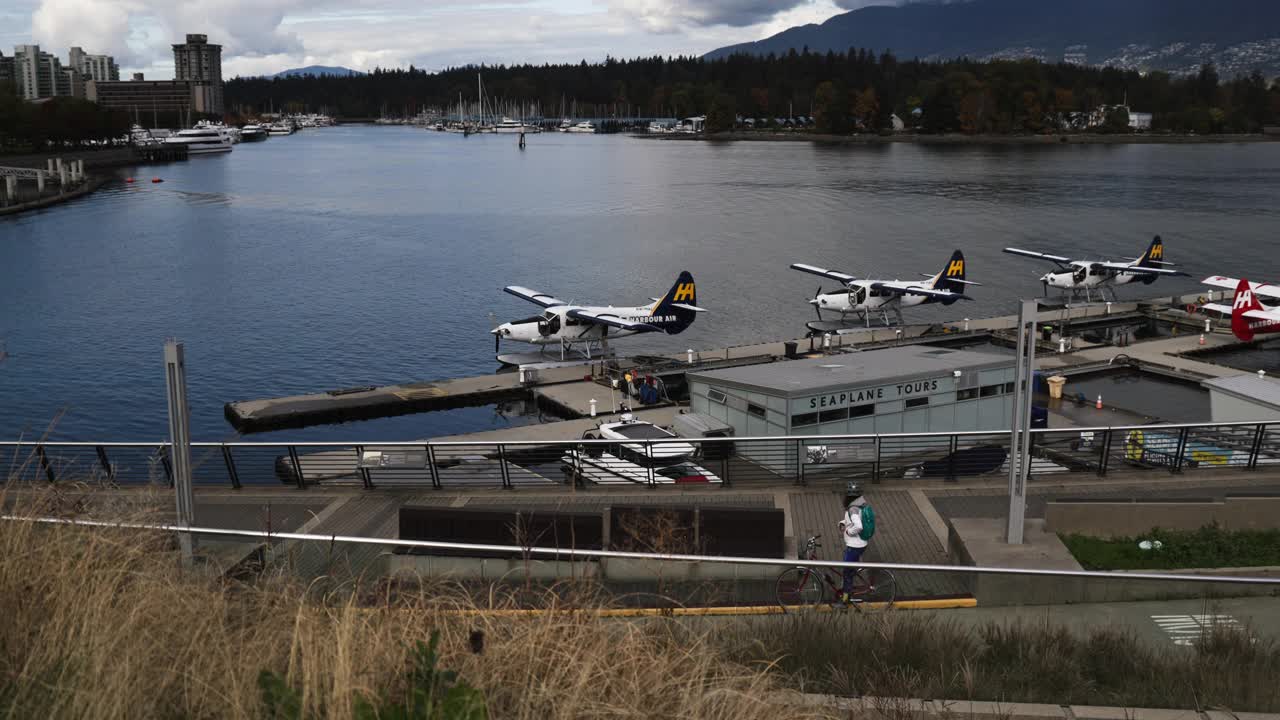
943	604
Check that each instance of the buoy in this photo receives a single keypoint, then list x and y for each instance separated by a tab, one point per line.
1099	404
128	180
156	180
1201	338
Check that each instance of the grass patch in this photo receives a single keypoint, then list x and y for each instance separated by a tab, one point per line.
1208	547
912	654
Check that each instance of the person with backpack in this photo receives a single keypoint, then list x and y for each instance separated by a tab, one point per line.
857	526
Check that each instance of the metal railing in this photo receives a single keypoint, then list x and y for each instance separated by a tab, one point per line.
812	460
570	553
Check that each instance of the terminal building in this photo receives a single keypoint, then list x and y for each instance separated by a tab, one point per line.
913	389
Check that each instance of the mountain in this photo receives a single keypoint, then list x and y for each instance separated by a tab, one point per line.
1172	35
317	70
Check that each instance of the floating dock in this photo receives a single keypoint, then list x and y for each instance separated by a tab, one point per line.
568	390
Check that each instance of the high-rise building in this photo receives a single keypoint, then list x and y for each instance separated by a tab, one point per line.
200	63
94	67
69	83
39	74
8	81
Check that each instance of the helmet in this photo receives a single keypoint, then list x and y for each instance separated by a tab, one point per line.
852	491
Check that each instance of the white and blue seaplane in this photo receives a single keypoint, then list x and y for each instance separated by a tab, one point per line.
583	332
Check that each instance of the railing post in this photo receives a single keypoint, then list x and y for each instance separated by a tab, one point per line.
175	375
44	463
231	466
1256	449
1105	456
1182	449
502	464
431	466
106	464
297	467
648	449
364	471
724	468
168	466
875	464
951	459
800	457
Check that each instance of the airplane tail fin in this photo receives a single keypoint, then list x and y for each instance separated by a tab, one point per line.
952	276
1243	303
1154	254
680	304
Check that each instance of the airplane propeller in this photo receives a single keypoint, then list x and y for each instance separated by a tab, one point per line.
817	307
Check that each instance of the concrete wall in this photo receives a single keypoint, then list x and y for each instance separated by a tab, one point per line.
1127	518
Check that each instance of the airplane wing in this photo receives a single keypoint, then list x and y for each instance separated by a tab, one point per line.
908	289
836	275
1230	283
1137	269
1226	310
534	296
1042	256
604	318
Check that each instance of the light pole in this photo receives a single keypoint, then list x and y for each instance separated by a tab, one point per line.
1020	428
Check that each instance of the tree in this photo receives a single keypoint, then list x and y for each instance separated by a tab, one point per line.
722	114
866	109
830	108
1117	120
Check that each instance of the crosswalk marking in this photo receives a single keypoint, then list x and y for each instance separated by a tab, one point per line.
1187	629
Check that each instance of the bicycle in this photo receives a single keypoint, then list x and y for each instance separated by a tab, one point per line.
799	586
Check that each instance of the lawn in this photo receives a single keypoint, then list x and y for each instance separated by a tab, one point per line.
1208	547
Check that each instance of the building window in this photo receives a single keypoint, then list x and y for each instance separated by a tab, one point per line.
991	390
917	402
716	396
804	420
756	410
836	415
968	394
858	411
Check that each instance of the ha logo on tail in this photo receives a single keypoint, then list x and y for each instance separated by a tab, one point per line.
1248	317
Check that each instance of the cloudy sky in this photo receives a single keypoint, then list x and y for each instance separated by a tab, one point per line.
265	36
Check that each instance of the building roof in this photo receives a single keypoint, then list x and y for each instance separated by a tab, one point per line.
1248	386
872	367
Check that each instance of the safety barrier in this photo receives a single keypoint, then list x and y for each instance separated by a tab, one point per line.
822	460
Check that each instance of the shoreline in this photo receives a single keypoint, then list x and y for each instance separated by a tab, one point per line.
961	139
91	183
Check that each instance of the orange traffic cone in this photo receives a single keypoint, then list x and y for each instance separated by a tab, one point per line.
1099	404
1201	338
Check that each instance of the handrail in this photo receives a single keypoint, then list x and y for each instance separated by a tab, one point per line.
573	441
662	557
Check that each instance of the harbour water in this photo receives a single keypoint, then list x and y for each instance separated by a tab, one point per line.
369	255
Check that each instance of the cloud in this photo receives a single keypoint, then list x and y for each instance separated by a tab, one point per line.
666	16
858	4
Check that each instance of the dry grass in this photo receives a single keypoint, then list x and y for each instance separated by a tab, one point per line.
106	624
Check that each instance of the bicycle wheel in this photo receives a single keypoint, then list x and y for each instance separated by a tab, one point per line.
874	589
799	586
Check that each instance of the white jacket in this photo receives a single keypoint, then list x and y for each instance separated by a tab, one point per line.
851	524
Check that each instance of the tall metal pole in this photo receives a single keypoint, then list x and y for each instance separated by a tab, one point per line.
1019	432
175	373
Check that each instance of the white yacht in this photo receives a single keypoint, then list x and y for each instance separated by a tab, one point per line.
564	125
644	454
280	127
200	141
583	127
513	126
253	133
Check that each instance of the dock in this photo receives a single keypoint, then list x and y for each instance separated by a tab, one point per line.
567	391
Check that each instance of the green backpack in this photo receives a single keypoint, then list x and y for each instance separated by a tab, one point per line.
868	523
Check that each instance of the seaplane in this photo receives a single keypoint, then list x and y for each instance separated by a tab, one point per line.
864	297
1248	317
1084	276
567	325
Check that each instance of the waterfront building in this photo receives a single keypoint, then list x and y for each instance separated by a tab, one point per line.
200	63
38	74
94	67
912	389
152	103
